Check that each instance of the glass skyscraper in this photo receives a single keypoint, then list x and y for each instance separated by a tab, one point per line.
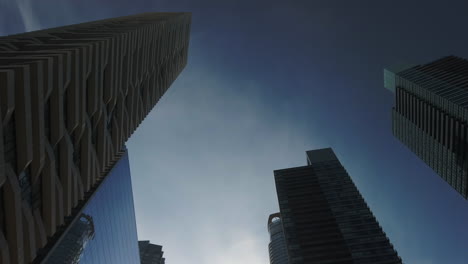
110	215
70	98
324	217
277	246
431	114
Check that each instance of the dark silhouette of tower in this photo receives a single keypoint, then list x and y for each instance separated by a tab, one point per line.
277	246
70	97
324	217
431	114
150	253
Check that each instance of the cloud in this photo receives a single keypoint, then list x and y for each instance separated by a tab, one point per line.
30	21
242	248
202	167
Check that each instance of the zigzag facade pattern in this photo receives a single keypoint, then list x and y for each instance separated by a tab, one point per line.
69	99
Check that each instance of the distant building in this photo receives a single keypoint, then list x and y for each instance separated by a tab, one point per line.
324	217
111	214
70	97
431	114
71	248
277	246
150	253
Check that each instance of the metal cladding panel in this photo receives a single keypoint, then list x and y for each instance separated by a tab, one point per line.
69	99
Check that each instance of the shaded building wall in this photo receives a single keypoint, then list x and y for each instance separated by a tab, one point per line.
325	219
431	114
70	97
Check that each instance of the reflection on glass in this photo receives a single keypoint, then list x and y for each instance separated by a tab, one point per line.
112	212
74	243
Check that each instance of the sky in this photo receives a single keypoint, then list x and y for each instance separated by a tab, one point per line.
265	82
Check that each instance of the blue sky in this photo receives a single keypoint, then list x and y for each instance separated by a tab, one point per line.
266	81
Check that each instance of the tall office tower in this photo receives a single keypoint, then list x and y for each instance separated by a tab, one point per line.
69	99
277	246
325	219
150	253
112	214
431	114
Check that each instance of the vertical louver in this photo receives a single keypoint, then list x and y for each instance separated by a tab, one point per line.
69	99
430	117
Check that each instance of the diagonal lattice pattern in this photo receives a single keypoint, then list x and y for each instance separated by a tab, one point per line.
69	99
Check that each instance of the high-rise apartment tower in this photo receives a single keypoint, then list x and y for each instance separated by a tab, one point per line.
325	219
69	99
277	246
431	114
150	253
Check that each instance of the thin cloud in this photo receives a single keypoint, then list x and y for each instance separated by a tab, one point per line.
211	195
243	248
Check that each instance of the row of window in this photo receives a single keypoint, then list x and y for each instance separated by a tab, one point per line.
447	77
432	120
450	164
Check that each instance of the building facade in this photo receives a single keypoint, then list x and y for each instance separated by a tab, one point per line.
70	248
324	217
431	114
277	246
70	97
150	253
114	234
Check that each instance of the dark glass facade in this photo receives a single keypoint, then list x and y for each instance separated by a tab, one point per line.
431	114
277	246
325	219
111	209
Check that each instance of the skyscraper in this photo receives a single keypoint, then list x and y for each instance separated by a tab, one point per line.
325	219
112	214
431	114
277	246
70	249
150	253
70	97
